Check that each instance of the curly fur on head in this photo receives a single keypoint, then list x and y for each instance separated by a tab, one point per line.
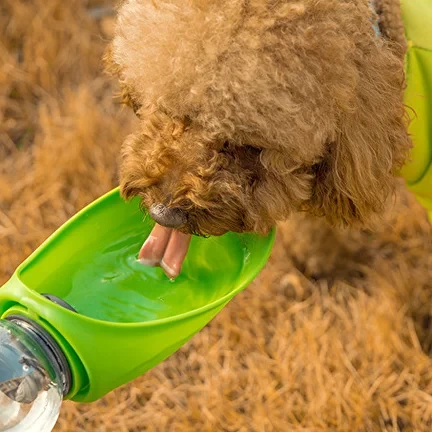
253	109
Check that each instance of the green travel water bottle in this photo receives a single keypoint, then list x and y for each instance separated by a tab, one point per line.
81	316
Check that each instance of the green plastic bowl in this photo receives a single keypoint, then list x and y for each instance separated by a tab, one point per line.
129	317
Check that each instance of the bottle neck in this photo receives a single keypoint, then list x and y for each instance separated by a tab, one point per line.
50	348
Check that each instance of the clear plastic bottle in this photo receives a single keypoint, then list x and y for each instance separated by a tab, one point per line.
33	377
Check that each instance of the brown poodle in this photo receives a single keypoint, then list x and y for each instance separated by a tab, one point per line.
253	109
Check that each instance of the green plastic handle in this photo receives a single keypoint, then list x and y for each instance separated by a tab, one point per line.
107	350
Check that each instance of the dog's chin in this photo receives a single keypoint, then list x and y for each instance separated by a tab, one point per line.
210	227
201	231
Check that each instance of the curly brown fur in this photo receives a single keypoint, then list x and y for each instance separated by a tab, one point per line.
253	109
391	24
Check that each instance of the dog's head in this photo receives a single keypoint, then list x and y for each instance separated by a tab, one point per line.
253	109
188	182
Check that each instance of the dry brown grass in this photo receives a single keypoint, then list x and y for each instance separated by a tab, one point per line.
348	353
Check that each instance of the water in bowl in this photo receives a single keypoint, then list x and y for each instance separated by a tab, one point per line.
110	284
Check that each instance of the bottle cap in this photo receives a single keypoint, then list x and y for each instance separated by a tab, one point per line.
32	383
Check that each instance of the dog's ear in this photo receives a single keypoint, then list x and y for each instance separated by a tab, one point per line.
356	175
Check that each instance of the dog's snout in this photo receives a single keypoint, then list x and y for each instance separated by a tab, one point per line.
168	217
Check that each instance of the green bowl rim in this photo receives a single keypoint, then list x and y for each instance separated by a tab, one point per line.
222	300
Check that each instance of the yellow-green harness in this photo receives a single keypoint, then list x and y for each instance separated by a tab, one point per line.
417	16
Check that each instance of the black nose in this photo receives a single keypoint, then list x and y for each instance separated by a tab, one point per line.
167	217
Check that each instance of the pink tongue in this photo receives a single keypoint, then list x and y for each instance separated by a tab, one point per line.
167	248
